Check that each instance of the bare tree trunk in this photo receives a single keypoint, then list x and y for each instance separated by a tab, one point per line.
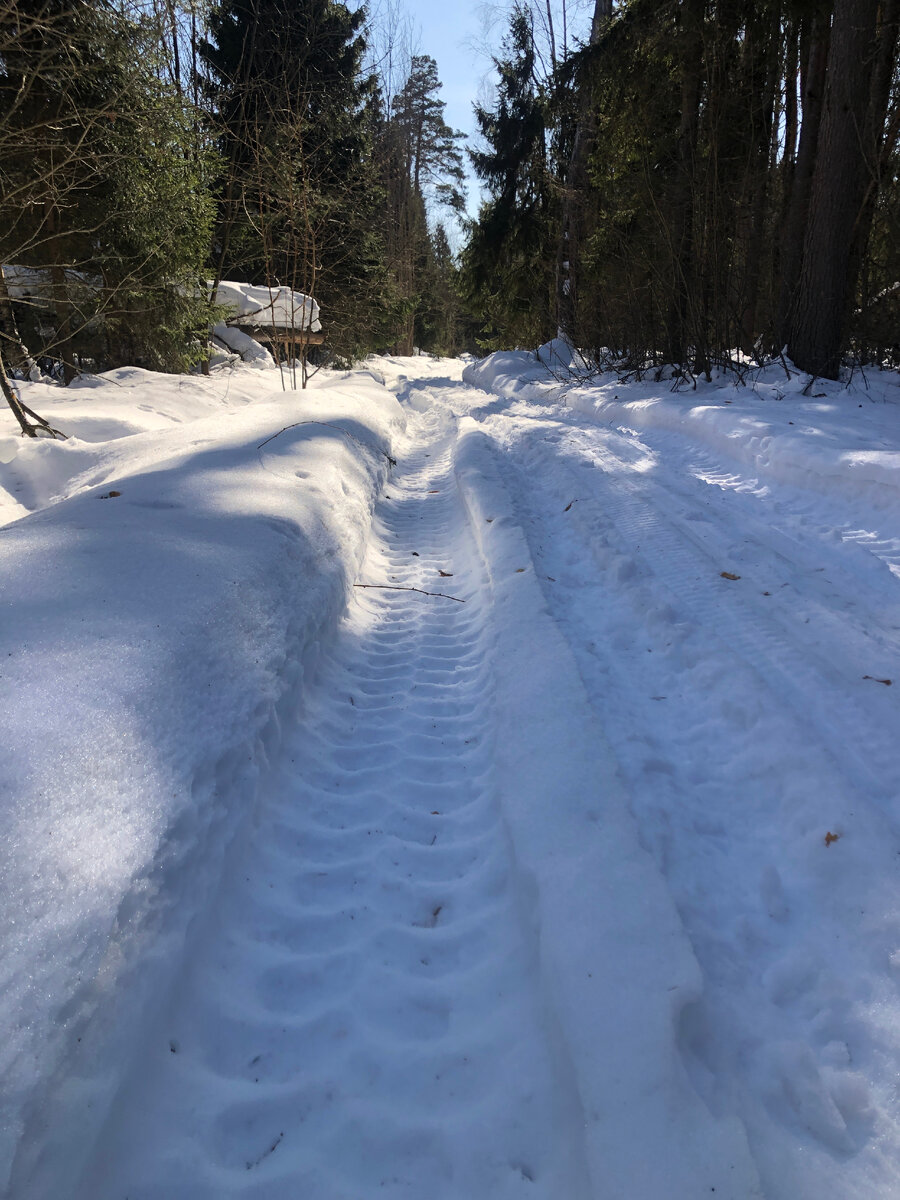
22	412
878	142
569	255
681	325
59	292
813	91
14	350
761	173
13	401
838	189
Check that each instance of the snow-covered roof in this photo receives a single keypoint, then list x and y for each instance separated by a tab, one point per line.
35	283
277	307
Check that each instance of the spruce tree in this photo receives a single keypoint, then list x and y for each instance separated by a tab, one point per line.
423	166
101	190
298	197
509	259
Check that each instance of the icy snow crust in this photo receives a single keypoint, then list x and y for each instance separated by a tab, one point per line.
578	880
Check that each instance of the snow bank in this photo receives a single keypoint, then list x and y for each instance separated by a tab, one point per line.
250	350
278	306
829	441
159	618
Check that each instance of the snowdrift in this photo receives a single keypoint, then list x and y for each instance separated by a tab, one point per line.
161	611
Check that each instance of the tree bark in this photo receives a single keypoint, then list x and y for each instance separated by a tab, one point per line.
760	175
569	254
12	400
837	193
813	92
878	142
14	351
682	329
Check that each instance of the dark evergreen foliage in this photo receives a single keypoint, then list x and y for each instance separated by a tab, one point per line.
508	262
101	188
739	188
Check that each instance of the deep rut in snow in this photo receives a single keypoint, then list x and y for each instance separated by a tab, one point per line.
365	1015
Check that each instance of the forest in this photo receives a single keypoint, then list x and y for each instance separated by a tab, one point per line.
686	185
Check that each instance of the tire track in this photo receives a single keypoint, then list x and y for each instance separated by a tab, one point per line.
364	1013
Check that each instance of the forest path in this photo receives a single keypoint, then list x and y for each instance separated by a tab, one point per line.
364	1014
732	631
580	884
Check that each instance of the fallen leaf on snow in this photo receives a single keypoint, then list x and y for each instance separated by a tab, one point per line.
831	837
445	574
886	682
519	570
728	575
433	491
108	495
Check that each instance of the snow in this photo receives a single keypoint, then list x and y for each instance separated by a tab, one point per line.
577	879
249	349
280	307
160	613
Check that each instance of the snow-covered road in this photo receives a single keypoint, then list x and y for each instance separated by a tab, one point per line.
364	1016
579	880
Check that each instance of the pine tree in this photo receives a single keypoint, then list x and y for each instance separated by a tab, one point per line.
508	262
423	165
299	195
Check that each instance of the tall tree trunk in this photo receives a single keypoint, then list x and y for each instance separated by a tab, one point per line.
878	142
568	270
682	328
760	171
838	189
813	92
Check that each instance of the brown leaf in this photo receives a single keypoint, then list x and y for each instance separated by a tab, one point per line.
831	837
433	491
489	519
886	682
108	495
519	570
728	575
445	574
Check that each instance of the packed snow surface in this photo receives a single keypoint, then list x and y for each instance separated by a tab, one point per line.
557	858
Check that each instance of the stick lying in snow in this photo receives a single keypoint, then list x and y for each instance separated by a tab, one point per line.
395	587
337	428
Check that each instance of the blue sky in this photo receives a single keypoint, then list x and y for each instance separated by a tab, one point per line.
451	32
448	30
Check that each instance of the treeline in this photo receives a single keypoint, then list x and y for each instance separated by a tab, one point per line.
149	147
699	182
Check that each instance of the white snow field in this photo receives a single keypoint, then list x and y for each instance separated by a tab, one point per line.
557	858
